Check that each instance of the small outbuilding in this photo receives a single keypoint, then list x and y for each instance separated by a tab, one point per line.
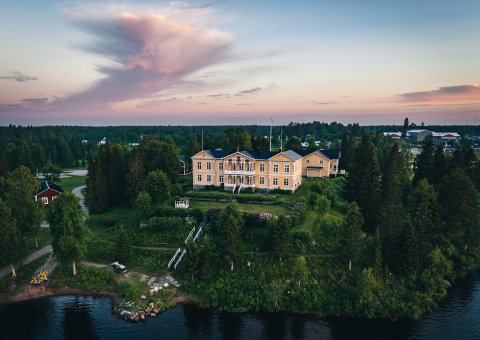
47	193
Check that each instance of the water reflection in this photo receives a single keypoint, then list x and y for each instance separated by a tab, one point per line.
77	317
198	323
77	320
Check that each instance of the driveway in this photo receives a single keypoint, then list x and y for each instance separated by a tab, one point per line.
78	191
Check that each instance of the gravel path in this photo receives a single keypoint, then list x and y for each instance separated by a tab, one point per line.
30	258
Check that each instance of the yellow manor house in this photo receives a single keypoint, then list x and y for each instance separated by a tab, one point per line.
262	171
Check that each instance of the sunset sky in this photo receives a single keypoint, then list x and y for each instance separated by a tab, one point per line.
239	62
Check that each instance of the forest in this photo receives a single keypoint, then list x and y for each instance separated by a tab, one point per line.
386	240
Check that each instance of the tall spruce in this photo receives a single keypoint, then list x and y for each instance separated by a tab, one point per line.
347	151
424	216
135	175
459	211
363	183
409	261
423	165
350	244
230	225
439	166
393	216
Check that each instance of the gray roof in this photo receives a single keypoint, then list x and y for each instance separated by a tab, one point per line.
292	154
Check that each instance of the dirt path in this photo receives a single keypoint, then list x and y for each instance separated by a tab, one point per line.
30	258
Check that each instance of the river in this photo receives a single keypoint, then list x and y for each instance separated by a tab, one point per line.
87	317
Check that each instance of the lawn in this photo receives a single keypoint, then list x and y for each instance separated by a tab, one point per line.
270	208
69	183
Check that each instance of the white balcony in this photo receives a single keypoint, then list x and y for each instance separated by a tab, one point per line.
239	172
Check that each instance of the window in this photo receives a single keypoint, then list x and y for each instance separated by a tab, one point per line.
285	181
321	161
262	180
220	166
275	181
45	200
262	167
307	161
220	178
199	165
209	178
334	168
287	167
209	166
275	168
199	178
234	167
249	167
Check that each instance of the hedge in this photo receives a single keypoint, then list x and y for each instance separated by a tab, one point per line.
223	196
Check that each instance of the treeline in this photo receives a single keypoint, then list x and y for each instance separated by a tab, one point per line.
117	174
432	214
66	146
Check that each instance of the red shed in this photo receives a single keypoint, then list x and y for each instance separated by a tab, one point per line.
47	193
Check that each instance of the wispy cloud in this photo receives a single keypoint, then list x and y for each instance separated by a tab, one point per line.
248	91
461	94
324	103
18	76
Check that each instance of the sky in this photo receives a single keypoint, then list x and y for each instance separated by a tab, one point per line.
239	62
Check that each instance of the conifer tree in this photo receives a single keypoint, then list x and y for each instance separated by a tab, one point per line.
347	151
363	182
439	166
123	246
409	255
423	165
135	175
393	216
424	216
278	235
351	237
230	225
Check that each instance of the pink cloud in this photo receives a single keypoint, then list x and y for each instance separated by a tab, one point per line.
150	52
462	94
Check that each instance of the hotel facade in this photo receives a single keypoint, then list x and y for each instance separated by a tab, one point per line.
262	171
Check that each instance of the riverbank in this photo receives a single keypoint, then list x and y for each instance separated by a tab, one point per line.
32	293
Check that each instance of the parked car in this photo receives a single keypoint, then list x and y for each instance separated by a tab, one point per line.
118	267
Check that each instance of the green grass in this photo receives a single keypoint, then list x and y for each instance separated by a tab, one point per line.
69	183
258	208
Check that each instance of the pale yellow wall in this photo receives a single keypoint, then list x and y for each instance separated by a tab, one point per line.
315	159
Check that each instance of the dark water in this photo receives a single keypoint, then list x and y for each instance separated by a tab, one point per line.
84	317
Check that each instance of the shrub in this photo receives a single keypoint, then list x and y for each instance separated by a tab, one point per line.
109	221
303	236
166	223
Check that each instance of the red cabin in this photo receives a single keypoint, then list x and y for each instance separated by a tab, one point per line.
47	193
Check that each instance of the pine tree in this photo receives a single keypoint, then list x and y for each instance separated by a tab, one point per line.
278	235
409	255
424	216
346	153
405	128
123	246
351	237
393	216
363	182
439	166
459	211
135	175
230	226
423	165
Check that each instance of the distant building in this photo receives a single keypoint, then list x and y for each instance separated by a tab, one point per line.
393	135
263	171
47	193
103	141
418	135
446	136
